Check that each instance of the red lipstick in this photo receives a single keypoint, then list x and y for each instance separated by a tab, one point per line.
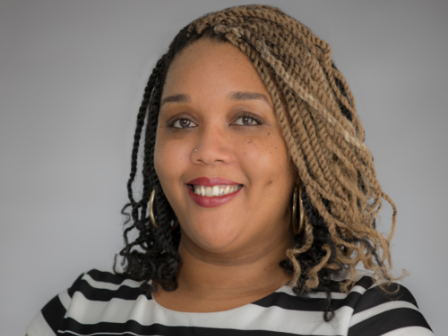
211	202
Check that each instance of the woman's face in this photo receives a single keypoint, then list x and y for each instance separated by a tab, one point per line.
220	155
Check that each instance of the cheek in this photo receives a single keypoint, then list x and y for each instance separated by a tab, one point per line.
267	158
169	159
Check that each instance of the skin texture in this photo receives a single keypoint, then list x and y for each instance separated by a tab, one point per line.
230	253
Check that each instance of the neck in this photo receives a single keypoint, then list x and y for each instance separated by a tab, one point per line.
250	273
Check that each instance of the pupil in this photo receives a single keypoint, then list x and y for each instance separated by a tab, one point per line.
184	123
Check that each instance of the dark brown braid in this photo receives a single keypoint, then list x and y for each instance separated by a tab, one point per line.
317	114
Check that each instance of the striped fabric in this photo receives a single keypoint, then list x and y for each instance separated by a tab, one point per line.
101	303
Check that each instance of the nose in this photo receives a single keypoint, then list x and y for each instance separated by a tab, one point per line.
214	146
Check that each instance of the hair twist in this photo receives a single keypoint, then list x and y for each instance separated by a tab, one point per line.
317	114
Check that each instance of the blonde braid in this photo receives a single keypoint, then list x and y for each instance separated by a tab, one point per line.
317	115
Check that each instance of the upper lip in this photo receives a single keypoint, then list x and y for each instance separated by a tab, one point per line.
212	181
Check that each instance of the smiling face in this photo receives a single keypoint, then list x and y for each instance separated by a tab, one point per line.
220	155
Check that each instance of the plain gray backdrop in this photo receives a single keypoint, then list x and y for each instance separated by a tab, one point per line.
71	78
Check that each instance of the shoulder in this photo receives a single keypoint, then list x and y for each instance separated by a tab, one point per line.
101	285
85	301
105	276
377	311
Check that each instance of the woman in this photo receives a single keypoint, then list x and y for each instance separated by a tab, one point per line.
259	199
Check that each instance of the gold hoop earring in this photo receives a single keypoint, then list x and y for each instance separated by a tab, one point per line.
294	210
151	212
175	226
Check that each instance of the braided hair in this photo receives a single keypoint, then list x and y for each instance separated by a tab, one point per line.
316	111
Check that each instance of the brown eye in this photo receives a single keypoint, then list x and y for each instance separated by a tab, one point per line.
183	123
246	121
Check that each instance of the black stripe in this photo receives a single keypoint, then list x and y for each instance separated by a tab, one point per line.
109	277
96	294
376	296
109	329
75	286
290	302
388	321
100	294
366	282
53	313
334	286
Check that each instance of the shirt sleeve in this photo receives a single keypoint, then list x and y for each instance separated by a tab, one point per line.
51	318
393	314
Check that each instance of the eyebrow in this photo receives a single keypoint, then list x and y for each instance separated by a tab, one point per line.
235	96
178	98
248	96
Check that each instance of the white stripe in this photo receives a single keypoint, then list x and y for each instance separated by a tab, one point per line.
410	331
108	285
321	295
358	289
100	333
346	275
249	317
65	299
366	314
287	290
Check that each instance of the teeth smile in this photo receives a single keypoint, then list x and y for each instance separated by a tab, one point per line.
215	191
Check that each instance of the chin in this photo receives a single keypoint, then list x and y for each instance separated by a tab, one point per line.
212	236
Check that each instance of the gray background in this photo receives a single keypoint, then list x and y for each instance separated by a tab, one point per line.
71	80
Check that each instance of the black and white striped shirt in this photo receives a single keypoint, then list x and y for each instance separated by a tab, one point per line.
101	303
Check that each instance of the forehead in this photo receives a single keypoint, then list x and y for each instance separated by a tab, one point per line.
208	66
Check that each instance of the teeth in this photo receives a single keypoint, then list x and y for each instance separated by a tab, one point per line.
217	190
208	191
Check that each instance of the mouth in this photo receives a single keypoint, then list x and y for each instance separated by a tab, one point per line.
212	192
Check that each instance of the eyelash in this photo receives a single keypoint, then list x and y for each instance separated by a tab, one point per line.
172	122
250	116
244	115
